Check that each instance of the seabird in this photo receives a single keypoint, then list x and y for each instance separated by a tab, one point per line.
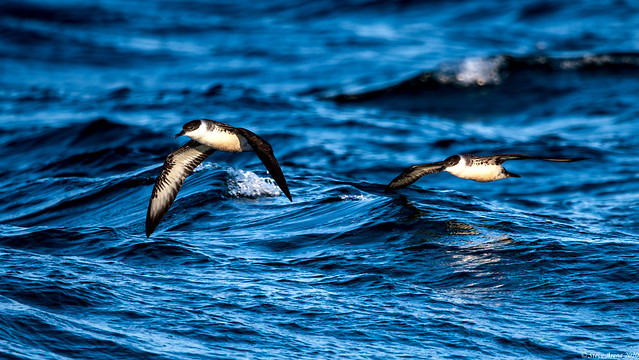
466	166
206	137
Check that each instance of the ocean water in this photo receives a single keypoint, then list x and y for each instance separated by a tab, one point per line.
349	94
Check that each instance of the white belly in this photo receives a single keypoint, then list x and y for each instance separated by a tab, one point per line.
482	173
225	141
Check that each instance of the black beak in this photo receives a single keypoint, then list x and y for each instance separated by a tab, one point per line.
179	134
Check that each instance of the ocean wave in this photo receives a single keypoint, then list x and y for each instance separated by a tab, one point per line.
501	83
59	241
98	242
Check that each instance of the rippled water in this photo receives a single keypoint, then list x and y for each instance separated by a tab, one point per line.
349	94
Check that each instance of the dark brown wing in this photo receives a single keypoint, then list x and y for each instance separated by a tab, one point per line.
500	159
264	151
178	165
413	174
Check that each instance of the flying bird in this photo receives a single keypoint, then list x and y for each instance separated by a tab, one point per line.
466	166
207	136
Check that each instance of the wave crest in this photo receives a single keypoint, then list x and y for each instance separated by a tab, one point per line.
496	84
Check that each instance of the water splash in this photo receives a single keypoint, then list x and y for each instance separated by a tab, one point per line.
248	184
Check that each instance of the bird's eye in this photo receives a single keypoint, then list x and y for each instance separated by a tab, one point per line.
192	125
452	160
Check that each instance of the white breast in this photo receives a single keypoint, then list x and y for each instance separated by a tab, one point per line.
482	173
224	140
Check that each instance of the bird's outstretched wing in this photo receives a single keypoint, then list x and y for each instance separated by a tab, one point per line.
501	158
264	151
413	174
178	165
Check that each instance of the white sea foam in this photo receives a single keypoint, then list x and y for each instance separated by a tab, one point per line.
356	197
206	166
480	71
473	71
247	184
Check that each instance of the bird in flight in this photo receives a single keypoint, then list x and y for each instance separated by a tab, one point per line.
207	136
467	166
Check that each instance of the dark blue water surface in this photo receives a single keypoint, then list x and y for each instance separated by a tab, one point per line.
349	94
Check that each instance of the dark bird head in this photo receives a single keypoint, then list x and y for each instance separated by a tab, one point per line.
190	127
452	161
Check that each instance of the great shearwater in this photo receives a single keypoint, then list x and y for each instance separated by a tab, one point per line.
206	137
466	166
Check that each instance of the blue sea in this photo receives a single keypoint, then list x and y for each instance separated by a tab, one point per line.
349	93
